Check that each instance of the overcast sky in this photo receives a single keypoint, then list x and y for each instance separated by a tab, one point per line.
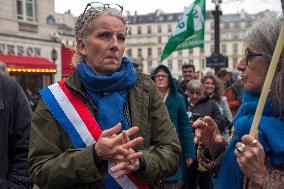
169	6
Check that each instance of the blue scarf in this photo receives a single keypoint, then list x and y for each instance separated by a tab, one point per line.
109	93
270	135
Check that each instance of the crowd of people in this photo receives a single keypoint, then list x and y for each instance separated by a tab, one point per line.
109	125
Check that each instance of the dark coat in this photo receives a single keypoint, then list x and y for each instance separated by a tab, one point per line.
178	114
15	121
207	107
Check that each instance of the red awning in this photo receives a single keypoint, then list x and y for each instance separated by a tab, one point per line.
66	59
27	64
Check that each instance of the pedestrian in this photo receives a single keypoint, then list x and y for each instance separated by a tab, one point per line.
106	125
177	111
15	120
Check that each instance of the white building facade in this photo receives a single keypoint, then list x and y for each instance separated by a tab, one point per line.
148	35
27	45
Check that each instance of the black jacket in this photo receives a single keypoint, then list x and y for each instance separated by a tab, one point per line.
15	121
207	107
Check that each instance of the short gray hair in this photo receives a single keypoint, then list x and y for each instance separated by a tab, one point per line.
194	85
84	21
263	35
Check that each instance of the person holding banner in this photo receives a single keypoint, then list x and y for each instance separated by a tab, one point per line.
105	126
245	161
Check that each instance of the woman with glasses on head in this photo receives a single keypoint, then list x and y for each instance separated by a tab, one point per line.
106	126
177	111
246	161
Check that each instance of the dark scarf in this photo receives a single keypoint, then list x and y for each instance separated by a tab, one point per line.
109	93
270	135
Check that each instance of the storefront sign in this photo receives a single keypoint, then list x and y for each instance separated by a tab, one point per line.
20	50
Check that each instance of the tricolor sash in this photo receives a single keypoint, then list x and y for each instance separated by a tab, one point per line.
83	130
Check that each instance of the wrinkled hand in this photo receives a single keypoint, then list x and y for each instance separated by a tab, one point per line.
130	162
251	160
207	132
188	161
109	146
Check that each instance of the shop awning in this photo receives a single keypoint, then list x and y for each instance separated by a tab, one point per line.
27	64
66	59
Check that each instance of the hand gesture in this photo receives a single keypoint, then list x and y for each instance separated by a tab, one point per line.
251	157
207	132
130	162
109	146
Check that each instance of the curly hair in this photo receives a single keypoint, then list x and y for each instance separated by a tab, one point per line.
263	36
84	22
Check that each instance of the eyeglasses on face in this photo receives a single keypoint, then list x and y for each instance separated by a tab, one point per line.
249	55
161	76
104	6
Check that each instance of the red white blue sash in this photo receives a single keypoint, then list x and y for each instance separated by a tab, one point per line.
83	130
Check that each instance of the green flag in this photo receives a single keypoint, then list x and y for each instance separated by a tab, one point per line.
189	32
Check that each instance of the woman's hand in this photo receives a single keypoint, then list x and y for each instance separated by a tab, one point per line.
251	159
130	162
207	132
109	146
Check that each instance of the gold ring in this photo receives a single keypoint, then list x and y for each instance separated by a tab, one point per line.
253	143
241	148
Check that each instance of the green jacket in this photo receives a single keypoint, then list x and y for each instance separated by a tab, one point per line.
55	163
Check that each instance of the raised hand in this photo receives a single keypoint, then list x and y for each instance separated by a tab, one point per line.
109	146
207	132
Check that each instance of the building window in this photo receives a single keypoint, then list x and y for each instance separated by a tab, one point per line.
129	31
170	28
159	39
180	53
139	30
226	25
170	64
150	65
212	36
26	10
159	51
224	48
159	29
149	29
203	63
235	36
179	65
212	48
139	53
190	51
235	48
129	52
149	51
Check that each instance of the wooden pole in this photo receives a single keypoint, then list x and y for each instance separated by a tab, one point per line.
267	82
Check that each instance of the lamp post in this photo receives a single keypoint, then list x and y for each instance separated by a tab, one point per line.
217	60
217	13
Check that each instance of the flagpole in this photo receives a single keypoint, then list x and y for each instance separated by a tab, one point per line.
267	82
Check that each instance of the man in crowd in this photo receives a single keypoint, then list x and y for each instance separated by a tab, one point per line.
188	73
